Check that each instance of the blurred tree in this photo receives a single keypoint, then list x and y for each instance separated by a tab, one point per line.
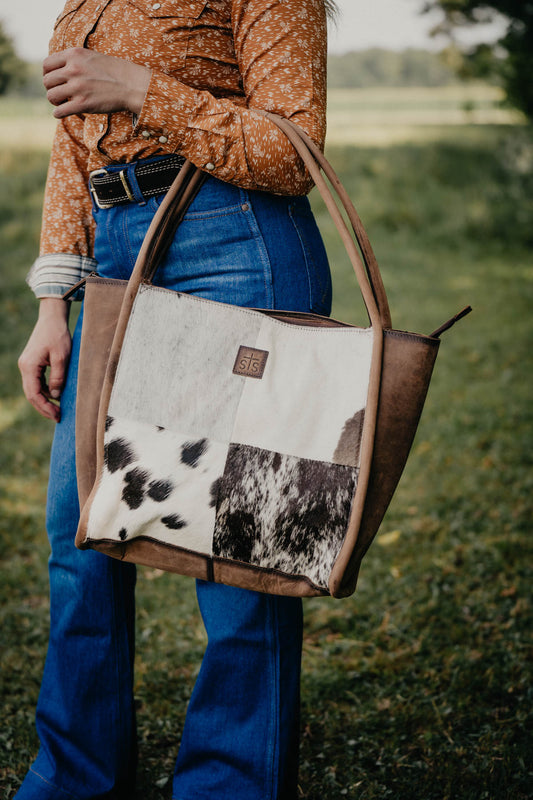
510	58
12	68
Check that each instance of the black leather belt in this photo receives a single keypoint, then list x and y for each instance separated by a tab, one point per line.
153	177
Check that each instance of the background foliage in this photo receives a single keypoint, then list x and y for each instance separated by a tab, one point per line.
379	67
12	68
510	58
419	686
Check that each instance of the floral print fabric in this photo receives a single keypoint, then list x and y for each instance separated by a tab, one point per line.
214	64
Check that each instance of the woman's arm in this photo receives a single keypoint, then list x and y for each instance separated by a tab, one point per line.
281	52
280	49
67	231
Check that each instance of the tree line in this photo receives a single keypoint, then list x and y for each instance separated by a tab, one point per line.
509	60
357	69
362	69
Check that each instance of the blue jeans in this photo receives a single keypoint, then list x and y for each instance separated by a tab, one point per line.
241	732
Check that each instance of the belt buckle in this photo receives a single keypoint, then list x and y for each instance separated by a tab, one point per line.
93	190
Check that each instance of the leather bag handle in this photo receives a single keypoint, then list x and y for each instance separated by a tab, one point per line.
361	236
190	179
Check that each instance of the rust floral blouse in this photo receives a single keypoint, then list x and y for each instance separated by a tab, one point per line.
214	63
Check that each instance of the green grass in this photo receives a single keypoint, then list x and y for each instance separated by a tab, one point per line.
420	685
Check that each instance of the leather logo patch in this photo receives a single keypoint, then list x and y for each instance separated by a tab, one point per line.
250	362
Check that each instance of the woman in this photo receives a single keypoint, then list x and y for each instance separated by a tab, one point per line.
137	85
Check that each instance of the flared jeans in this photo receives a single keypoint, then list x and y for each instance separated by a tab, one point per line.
240	738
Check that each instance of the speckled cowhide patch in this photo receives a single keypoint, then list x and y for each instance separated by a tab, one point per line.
157	483
282	512
257	468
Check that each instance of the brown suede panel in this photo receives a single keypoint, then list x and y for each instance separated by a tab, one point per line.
408	361
150	553
261	580
103	299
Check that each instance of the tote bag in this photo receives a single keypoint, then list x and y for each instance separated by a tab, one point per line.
251	447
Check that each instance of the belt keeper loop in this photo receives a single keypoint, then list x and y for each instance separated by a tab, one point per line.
126	185
130	177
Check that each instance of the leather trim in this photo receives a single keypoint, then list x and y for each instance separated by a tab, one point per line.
151	553
408	361
103	299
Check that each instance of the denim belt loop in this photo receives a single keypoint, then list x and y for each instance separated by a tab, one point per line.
132	181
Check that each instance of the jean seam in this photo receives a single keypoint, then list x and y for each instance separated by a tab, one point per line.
307	256
125	232
52	785
273	764
213	213
255	230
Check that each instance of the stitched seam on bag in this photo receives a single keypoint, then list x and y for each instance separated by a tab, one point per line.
269	571
253	313
212	558
108	281
419	337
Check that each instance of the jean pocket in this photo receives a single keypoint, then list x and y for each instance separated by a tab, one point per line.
219	254
215	198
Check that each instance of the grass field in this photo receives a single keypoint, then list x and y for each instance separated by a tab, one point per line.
419	687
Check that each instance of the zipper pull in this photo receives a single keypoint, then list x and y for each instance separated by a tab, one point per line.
448	324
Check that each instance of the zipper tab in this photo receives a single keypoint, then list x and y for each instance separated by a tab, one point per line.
448	324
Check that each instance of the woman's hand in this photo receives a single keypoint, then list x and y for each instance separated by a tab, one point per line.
81	81
48	346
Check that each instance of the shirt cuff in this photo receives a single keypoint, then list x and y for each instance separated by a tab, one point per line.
165	112
53	275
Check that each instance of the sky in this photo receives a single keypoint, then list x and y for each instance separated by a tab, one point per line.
393	24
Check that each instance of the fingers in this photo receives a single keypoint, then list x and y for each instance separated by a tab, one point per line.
56	78
60	59
82	81
36	390
59	94
61	78
72	107
56	379
49	346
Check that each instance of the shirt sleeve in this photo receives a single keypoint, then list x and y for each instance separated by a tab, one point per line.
67	232
280	48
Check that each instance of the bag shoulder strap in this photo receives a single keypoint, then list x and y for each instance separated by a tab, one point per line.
190	179
369	259
367	271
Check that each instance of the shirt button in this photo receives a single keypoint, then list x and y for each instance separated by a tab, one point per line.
146	134
210	166
163	139
156	6
101	127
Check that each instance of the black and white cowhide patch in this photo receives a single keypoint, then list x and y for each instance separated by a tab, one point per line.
284	513
156	483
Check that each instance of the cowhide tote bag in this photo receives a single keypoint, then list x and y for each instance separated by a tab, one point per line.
256	448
